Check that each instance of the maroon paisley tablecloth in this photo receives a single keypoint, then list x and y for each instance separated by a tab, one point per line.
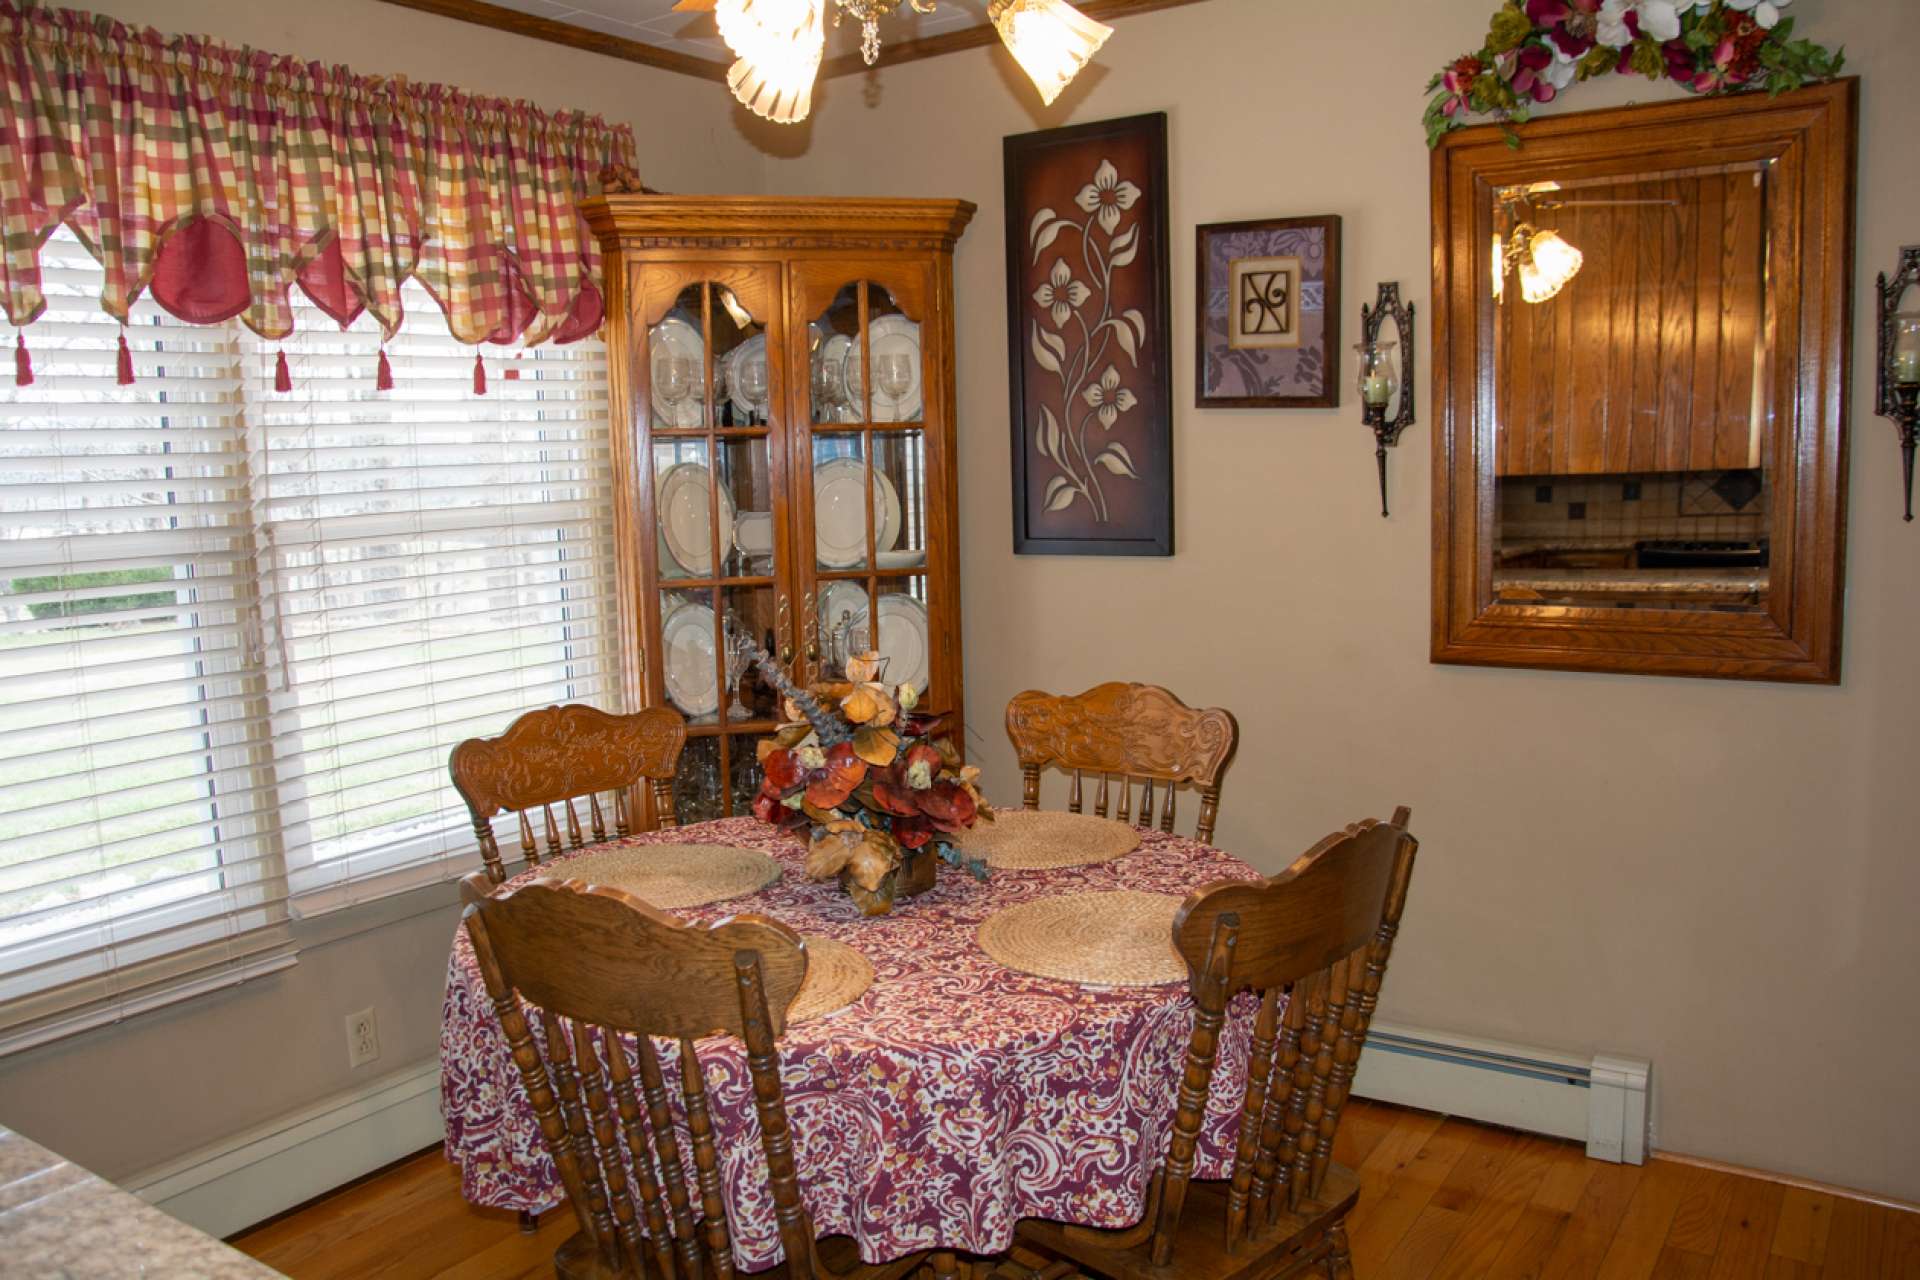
952	1099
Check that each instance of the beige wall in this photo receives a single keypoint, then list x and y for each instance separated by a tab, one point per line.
1717	876
127	1098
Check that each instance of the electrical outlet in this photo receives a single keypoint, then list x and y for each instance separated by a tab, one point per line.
363	1038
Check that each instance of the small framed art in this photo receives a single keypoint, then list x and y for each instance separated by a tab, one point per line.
1269	314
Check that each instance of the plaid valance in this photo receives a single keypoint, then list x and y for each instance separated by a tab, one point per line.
221	177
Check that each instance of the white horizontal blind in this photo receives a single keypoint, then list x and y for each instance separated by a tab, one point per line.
136	794
433	562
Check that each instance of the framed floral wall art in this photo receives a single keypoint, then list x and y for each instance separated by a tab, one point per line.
1268	321
1088	322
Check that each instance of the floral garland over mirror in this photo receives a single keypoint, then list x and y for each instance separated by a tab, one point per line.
1536	49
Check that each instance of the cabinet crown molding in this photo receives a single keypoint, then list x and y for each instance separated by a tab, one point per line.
802	222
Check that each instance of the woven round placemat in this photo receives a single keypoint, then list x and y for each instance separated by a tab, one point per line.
671	876
1121	939
1040	839
837	975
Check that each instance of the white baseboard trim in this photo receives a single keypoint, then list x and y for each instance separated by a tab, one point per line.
1601	1101
249	1177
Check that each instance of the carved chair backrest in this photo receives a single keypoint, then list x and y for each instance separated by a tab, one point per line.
559	755
1317	938
1132	732
602	974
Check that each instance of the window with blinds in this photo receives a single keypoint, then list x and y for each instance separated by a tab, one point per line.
432	563
240	630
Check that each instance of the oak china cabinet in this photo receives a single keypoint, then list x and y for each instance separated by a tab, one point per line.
782	390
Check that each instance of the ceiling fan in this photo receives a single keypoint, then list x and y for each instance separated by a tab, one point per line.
778	44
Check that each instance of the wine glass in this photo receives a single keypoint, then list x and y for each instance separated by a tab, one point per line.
893	378
753	384
826	390
672	382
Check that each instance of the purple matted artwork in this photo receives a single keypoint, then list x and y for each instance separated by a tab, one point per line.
1269	314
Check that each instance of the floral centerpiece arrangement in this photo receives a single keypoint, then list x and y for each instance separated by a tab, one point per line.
1537	48
882	789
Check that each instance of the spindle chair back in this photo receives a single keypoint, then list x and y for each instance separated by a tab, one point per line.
1312	943
604	974
560	755
1135	734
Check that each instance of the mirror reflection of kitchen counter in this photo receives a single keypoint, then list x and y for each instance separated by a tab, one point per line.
1632	586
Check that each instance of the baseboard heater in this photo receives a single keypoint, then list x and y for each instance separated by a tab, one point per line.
253	1175
1601	1101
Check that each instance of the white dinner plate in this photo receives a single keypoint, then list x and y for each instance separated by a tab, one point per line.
888	335
838	599
680	337
840	512
753	532
682	509
903	640
754	348
692	680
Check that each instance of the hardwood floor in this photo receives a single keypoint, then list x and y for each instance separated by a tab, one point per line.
1439	1198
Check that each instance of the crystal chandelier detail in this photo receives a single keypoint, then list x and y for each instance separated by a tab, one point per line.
779	44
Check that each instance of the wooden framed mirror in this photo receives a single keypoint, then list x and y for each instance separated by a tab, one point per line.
1641	347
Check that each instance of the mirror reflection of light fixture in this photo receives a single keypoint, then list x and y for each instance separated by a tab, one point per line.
779	44
1897	377
1379	382
1544	260
1547	263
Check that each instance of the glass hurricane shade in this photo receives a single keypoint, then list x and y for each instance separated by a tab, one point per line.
1905	365
1549	263
1050	39
779	44
1377	379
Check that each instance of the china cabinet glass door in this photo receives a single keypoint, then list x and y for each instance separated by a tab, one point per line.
863	541
710	389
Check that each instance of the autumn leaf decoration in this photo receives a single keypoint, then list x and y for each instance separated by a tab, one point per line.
1079	339
870	778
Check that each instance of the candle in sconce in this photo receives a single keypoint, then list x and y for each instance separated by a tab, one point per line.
1376	390
1906	366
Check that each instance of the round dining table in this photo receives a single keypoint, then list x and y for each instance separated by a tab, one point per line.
953	1098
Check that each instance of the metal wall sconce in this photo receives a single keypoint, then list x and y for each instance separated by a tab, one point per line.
1378	379
1898	370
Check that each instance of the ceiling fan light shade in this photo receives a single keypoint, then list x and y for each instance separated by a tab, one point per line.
779	43
1050	39
783	99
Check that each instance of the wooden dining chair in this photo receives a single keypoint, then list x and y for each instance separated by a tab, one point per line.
1133	732
559	755
603	974
1313	943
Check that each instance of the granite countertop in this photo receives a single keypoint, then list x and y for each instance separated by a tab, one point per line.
59	1222
1527	546
1710	583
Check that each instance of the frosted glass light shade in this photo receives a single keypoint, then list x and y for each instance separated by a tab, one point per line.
1050	39
1550	263
779	43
